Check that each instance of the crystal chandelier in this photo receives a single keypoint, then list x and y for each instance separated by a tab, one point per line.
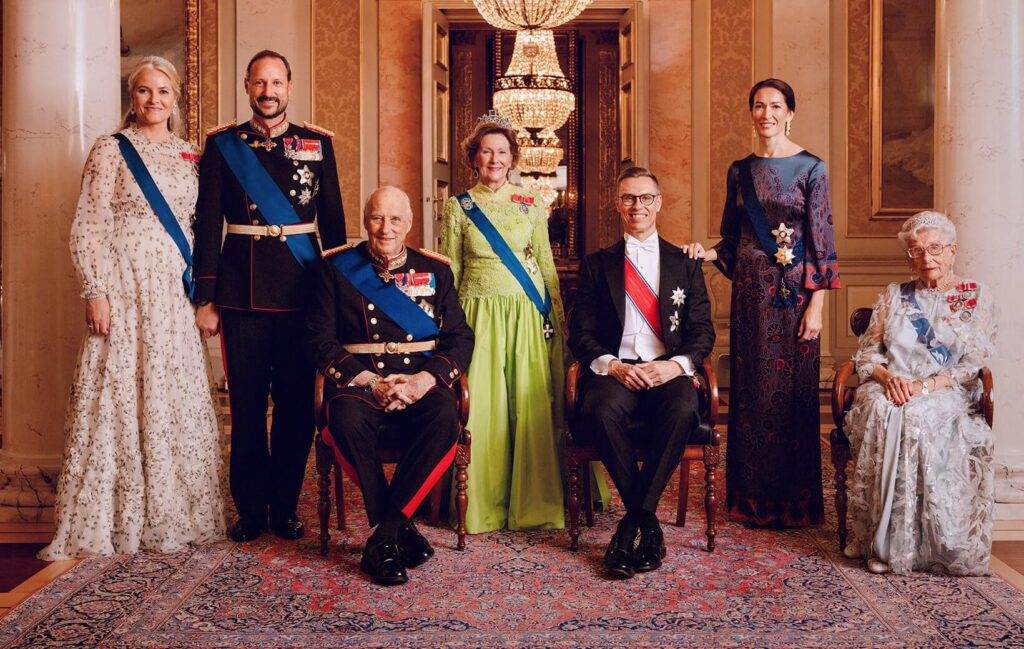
515	15
543	184
540	156
534	93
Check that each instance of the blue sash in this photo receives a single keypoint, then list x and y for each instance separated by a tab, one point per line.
500	247
759	221
159	205
392	301
258	184
925	333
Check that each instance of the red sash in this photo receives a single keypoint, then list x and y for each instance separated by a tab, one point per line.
642	296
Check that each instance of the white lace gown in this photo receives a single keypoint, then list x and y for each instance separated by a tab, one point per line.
141	457
922	494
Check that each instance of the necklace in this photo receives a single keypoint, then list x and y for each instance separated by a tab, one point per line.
944	285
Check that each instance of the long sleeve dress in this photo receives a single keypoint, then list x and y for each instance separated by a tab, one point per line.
921	497
516	377
142	455
773	451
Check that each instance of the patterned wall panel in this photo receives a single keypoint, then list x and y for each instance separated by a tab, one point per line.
731	77
336	93
208	66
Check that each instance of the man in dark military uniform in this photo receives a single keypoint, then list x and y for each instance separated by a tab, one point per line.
275	184
387	330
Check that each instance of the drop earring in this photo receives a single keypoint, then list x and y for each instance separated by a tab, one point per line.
789	127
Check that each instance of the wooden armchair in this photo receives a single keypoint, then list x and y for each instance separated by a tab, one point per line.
844	388
326	460
702	445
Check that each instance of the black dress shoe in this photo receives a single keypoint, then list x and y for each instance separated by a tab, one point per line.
383	563
413	547
289	528
650	551
245	530
620	556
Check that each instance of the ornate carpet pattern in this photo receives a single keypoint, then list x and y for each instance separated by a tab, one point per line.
759	589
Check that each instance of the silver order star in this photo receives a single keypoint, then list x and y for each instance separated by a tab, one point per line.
305	196
673	321
678	296
783	234
549	331
305	175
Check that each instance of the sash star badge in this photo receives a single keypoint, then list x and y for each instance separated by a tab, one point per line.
305	175
673	321
784	256
467	203
678	296
783	234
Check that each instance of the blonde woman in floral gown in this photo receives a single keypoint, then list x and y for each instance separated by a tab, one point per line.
518	368
141	459
922	493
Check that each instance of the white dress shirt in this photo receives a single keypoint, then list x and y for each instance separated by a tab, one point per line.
638	339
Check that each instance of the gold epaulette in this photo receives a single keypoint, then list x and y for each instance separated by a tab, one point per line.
223	127
336	249
435	255
318	129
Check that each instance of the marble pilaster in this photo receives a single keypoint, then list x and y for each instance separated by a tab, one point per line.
979	166
61	91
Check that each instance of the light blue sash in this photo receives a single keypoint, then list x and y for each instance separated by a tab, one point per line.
925	333
159	205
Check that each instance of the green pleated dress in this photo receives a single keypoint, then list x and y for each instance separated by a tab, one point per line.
516	377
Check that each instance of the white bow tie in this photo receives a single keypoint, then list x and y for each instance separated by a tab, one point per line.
649	245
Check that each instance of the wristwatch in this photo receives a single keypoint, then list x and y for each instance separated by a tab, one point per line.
372	382
924	386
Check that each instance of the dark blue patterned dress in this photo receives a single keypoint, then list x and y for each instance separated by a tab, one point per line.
773	460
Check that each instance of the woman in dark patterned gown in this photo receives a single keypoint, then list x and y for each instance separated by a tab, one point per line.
779	251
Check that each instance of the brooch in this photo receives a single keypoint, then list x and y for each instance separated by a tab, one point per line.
466	203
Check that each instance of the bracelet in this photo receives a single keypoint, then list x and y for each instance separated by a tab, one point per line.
924	386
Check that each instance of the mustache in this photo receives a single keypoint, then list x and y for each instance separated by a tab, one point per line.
267	98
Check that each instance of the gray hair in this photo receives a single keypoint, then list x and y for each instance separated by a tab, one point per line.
164	66
387	189
927	220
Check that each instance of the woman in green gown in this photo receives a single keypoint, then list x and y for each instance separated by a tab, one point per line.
517	373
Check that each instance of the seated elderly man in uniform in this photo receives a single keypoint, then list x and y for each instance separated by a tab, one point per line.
387	331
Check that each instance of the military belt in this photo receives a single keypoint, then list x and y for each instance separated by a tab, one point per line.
391	348
279	231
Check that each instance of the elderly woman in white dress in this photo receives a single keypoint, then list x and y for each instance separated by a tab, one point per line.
922	493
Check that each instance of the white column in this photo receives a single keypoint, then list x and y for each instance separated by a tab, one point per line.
979	176
60	92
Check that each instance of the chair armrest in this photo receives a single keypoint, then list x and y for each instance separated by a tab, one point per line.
710	385
572	379
987	404
839	389
318	401
462	399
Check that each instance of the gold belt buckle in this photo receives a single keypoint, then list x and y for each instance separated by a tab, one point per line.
392	347
274	230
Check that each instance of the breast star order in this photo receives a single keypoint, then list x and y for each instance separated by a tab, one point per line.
678	296
784	256
305	175
783	234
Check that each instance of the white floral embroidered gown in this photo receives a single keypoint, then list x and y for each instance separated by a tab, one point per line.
141	456
922	494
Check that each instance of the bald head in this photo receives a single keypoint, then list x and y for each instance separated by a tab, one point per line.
387	217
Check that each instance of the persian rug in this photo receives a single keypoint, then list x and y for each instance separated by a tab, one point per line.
759	588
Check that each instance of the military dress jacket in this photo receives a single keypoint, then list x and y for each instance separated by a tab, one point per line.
260	273
338	314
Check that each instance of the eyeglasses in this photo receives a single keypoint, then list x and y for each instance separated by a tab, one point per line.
645	199
934	249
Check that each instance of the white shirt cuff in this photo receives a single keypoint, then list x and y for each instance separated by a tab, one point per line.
600	364
685	363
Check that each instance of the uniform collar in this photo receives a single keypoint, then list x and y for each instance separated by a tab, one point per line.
271	133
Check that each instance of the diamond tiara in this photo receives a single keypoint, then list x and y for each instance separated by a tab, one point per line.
927	220
494	118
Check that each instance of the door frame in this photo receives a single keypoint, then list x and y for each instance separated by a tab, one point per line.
643	72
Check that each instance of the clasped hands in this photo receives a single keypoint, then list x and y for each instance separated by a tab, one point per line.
900	390
397	391
643	376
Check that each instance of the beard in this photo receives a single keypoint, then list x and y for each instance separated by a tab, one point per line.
276	110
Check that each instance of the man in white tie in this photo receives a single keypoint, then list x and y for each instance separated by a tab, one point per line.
641	322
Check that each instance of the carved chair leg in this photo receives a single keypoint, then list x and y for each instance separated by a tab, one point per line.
684	492
588	498
435	503
323	468
710	492
339	495
840	457
574	499
461	500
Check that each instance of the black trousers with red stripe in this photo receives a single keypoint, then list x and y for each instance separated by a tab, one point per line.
426	432
265	357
